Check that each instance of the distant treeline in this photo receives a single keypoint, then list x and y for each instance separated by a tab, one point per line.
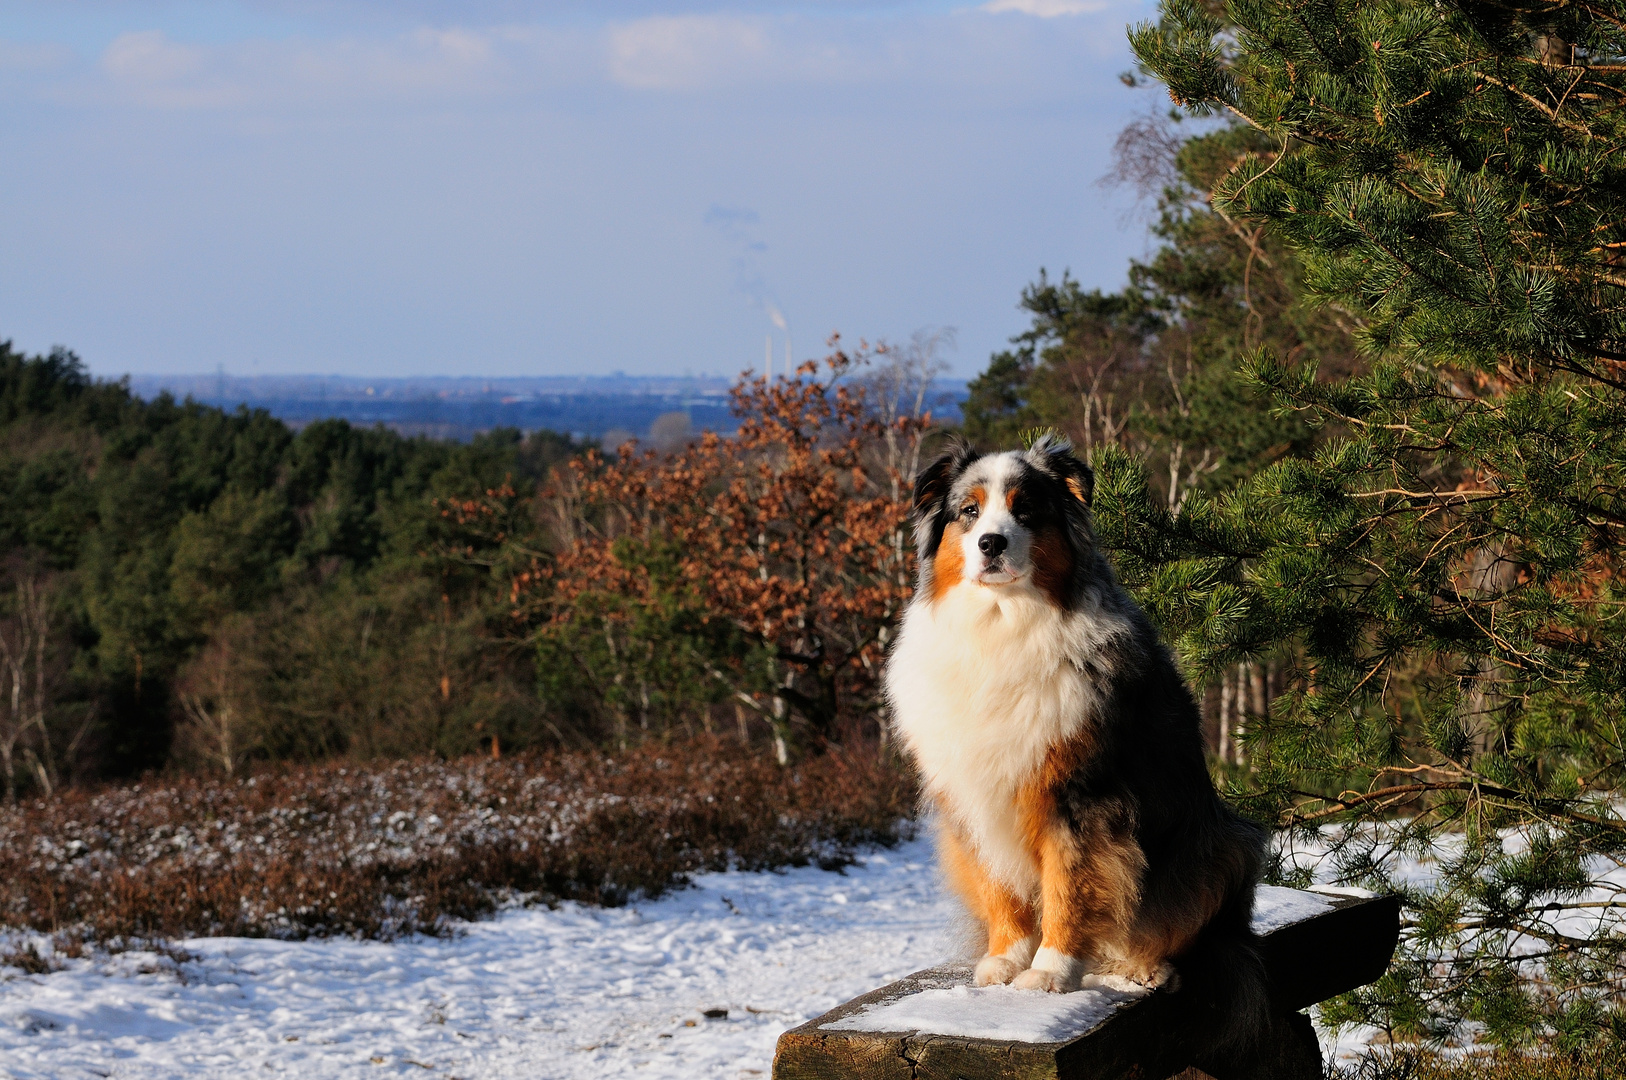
611	408
163	561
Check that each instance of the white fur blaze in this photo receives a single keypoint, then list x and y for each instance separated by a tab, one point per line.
982	684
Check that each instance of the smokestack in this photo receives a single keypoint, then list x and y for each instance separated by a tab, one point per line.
778	318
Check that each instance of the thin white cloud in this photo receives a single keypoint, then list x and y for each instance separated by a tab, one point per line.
1045	9
149	69
152	69
147	56
426	61
686	51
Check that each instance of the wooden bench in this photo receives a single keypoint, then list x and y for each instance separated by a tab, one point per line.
1315	946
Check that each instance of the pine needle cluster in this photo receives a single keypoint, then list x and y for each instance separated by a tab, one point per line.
1443	573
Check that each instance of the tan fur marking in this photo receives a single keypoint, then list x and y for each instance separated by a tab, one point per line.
979	495
948	565
1167	928
1089	872
1076	486
1052	564
1008	918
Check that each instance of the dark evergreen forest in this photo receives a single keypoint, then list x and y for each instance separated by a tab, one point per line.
155	551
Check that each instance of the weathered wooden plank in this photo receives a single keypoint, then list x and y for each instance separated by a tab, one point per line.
1309	960
1324	955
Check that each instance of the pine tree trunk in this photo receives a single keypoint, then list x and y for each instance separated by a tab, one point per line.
1239	750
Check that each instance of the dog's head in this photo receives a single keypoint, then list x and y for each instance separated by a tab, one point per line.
1018	519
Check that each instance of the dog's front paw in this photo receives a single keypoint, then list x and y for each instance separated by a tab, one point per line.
1040	979
1165	977
1052	971
996	969
1138	978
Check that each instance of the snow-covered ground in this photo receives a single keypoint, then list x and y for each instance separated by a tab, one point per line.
534	993
543	994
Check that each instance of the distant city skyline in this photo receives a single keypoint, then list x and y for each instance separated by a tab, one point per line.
506	188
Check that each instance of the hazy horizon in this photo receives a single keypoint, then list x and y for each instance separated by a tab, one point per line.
615	405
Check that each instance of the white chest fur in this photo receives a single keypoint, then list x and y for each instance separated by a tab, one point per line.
982	684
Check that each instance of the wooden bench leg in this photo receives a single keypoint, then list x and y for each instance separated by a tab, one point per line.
1289	1051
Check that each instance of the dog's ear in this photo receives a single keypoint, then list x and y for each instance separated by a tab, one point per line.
1079	478
931	492
934	481
1054	454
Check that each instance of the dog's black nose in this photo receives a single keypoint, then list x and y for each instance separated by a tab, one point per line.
991	544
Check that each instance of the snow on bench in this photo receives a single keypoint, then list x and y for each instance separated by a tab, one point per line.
935	1024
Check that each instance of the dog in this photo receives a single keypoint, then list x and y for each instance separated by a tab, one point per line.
1061	750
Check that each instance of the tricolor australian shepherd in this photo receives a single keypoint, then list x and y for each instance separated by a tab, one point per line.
1060	748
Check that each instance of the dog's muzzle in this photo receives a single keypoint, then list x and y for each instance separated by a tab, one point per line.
995	565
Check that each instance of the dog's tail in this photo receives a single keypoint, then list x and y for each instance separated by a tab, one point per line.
1222	974
1227	991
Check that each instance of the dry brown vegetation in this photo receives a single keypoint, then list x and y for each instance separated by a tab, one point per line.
791	535
748	582
381	850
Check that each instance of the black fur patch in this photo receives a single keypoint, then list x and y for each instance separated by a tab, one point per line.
1057	460
932	487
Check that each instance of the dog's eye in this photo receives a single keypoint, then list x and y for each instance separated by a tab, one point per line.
968	511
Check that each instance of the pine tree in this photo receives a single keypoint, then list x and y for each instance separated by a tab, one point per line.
1443	574
1152	368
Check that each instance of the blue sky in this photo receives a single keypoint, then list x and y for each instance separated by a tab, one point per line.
497	187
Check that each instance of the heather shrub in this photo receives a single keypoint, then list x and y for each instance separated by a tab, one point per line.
385	849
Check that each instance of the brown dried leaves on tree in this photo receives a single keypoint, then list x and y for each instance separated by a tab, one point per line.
793	533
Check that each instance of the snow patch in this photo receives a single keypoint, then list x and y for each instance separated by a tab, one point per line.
1344	891
996	1012
568	993
1275	907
